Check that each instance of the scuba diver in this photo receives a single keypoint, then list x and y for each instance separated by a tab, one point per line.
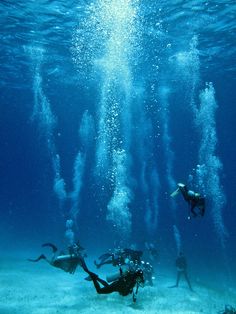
181	265
119	257
228	310
147	273
123	284
110	258
67	262
194	200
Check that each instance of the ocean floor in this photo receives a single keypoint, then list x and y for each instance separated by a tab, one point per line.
38	288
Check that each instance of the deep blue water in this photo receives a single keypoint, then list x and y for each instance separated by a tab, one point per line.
134	70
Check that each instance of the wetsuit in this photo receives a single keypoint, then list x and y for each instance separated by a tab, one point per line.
181	265
124	285
66	262
194	200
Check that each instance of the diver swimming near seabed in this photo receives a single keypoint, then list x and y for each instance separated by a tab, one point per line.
124	284
148	272
228	310
119	257
194	200
67	262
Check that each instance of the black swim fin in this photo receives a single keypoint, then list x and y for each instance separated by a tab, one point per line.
54	248
37	259
88	278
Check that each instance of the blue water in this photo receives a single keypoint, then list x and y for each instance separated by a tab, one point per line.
105	107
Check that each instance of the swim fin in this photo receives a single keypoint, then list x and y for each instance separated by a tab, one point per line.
176	192
37	259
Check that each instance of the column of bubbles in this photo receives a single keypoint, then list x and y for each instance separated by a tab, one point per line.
43	116
86	136
118	211
178	240
103	50
152	206
163	93
118	21
186	68
114	126
210	167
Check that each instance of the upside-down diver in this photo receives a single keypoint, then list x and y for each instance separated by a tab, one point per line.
67	262
194	200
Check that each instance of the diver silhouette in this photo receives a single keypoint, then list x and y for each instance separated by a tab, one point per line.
194	200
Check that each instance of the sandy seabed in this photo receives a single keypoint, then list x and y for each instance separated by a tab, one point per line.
38	288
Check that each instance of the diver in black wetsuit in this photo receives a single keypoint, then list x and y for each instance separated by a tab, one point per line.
124	284
181	265
228	310
195	200
67	262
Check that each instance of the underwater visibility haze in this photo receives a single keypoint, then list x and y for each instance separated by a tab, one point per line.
105	107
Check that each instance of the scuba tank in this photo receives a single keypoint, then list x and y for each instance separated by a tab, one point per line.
113	277
116	276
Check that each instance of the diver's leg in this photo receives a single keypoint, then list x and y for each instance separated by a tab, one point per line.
201	206
188	281
184	192
177	280
73	267
95	278
193	211
202	211
104	259
54	248
179	273
101	290
95	282
102	263
106	262
38	259
103	282
83	265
